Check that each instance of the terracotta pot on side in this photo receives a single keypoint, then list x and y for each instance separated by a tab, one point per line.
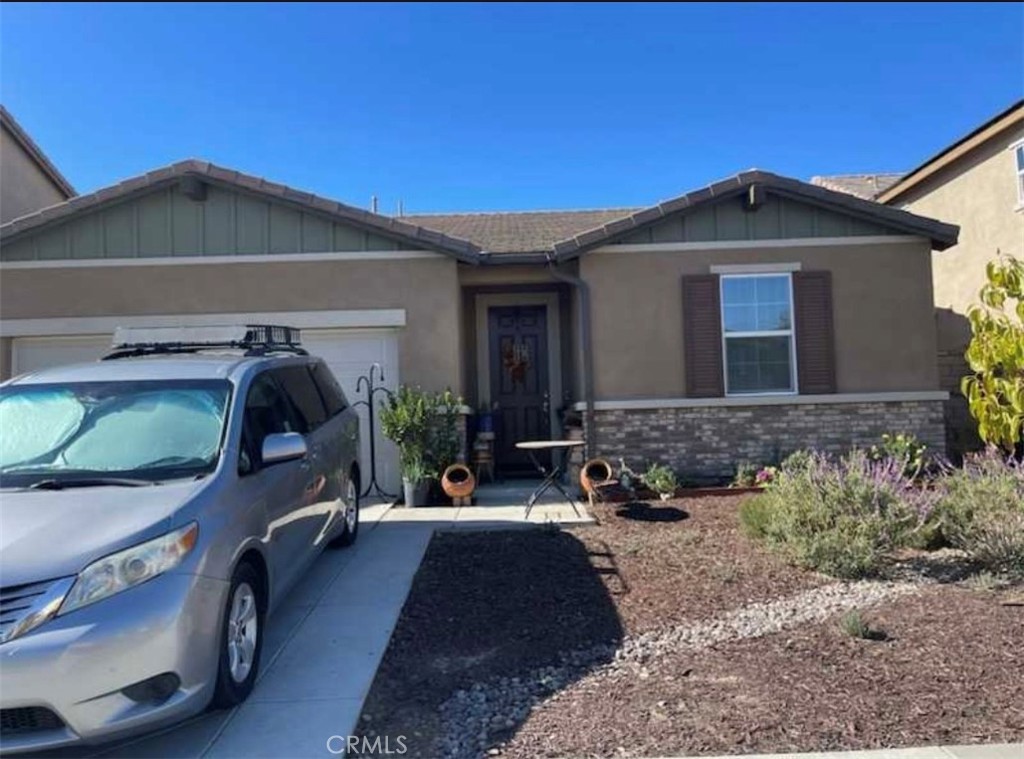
594	472
458	482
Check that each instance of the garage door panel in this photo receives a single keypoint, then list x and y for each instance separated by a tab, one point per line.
31	354
350	354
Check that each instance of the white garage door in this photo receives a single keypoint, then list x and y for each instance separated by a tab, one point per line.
30	354
350	354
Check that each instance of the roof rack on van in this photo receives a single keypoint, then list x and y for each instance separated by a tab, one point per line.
253	339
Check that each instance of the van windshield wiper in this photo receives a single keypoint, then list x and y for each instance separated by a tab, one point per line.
88	482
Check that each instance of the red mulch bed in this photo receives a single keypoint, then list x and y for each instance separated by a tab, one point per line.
949	673
499	604
668	572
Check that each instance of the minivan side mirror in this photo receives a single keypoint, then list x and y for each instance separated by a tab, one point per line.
283	446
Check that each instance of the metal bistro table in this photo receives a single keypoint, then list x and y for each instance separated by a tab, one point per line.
551	479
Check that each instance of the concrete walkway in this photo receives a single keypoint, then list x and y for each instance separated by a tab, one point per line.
993	751
499	506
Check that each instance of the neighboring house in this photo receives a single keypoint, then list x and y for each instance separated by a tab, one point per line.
28	180
738	322
978	184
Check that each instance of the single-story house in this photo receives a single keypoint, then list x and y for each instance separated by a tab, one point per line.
737	322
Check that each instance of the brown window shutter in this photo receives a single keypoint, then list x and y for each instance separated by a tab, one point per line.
815	343
702	336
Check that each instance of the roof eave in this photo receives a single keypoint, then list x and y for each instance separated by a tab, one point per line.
940	234
461	250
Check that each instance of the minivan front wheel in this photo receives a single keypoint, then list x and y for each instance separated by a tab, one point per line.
241	639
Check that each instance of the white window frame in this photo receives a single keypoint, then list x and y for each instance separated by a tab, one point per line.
1018	147
790	333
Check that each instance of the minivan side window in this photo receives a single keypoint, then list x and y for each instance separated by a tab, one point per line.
266	412
330	390
299	386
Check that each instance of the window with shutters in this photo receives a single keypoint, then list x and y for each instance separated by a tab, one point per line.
759	350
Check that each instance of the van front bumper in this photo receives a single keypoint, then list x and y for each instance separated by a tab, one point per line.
77	665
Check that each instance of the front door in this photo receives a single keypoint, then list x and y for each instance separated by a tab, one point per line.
519	383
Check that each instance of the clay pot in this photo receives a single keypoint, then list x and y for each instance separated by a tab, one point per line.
593	473
458	482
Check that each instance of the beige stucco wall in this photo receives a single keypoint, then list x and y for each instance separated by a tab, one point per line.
426	288
978	192
24	187
882	308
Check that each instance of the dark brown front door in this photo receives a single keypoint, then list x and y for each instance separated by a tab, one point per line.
519	382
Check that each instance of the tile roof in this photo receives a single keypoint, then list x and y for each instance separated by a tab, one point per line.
208	172
520	231
868	186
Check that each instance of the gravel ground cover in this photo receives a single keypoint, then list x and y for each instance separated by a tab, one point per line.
663	630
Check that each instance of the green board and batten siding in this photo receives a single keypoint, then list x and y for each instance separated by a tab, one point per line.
166	223
778	218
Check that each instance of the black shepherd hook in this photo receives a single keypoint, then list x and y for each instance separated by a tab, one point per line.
371	390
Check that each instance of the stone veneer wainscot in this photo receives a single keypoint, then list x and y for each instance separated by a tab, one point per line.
708	441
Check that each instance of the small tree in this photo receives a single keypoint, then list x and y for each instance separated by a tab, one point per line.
995	392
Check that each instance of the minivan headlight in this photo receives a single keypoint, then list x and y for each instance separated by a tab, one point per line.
130	567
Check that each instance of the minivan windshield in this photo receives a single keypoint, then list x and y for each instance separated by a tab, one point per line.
140	431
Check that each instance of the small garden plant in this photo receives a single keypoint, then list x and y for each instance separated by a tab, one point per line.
903	448
750	475
853	624
746	475
661	480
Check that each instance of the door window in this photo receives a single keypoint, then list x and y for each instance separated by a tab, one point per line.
266	412
330	390
299	386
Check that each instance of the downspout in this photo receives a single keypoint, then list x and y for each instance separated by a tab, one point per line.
588	357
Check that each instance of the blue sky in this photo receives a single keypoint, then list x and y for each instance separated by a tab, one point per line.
504	107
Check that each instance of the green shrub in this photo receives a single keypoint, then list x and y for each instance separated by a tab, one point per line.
837	516
980	510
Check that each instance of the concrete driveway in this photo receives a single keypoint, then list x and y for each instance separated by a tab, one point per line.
320	654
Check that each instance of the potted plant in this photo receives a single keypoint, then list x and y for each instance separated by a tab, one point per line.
414	477
425	427
405	420
661	480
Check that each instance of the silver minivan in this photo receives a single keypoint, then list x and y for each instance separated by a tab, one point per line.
154	509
